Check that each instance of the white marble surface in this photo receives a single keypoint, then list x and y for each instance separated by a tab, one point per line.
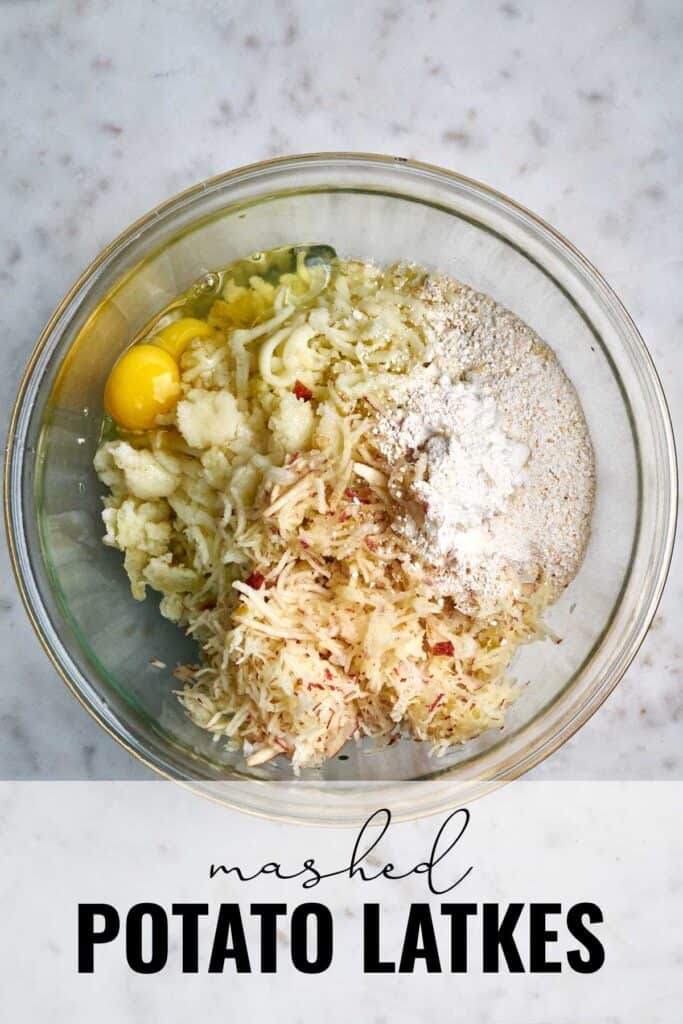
574	109
121	844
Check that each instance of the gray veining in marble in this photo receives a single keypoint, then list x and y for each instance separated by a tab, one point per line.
573	109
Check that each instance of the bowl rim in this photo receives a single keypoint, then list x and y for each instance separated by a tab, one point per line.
532	758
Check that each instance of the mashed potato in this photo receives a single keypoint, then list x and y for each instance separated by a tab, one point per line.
259	510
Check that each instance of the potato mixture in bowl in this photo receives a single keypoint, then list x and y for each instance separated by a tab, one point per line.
358	488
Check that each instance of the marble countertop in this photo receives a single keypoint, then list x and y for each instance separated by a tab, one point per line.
573	109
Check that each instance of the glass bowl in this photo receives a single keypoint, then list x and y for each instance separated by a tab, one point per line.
373	207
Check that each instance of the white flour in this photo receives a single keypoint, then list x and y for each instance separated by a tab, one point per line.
470	466
490	449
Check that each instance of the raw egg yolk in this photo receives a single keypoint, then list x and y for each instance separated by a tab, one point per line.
143	384
175	338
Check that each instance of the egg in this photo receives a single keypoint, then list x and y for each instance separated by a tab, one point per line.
175	338
144	384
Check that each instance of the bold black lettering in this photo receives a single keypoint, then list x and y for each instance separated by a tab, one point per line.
540	936
497	937
269	913
593	946
229	929
419	941
190	914
88	937
458	913
371	943
159	950
299	938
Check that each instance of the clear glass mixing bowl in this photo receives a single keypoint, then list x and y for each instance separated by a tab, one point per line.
101	640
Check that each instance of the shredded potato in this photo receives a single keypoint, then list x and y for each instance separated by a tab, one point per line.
260	511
